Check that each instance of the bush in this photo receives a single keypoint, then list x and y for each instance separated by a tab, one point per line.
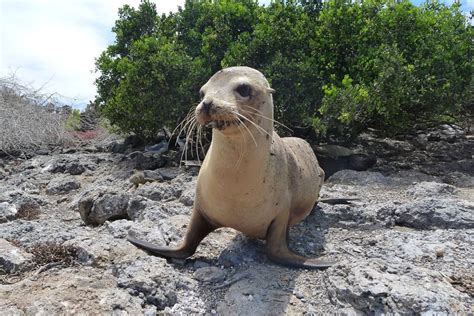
73	121
339	66
28	120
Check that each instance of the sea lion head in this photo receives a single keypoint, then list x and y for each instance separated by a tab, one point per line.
233	97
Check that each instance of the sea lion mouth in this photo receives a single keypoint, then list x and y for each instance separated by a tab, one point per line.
222	124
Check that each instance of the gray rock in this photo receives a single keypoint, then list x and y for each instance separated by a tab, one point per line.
159	191
152	175
377	287
384	147
430	189
145	160
209	275
260	293
241	250
7	212
187	197
360	178
12	258
150	279
427	213
420	213
408	177
11	311
75	169
173	227
101	204
62	186
463	180
168	173
445	132
64	165
136	207
119	228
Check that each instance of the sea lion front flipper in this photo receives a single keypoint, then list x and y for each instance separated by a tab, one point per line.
277	250
198	228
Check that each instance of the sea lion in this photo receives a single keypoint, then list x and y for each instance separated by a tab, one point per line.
251	179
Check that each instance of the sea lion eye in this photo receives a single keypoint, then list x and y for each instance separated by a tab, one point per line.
244	90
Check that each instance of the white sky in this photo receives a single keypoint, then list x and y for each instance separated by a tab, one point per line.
54	43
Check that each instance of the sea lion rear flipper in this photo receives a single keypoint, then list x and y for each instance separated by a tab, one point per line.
277	250
198	228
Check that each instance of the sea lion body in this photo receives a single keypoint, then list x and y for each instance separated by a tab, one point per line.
251	179
249	198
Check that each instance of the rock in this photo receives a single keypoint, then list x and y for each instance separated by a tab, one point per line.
241	250
209	275
159	148
260	293
333	158
377	215
42	151
62	186
145	160
430	189
136	207
431	212
119	228
152	175
384	147
187	197
97	206
462	180
159	191
114	146
7	212
173	227
12	258
75	168
103	248
169	173
445	132
64	165
377	287
360	178
408	177
151	279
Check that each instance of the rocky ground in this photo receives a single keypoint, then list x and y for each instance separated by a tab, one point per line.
405	246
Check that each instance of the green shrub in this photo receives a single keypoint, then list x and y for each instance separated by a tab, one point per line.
339	66
73	121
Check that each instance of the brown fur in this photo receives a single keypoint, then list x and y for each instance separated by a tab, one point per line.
251	179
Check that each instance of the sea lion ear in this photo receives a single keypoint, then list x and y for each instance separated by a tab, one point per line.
270	90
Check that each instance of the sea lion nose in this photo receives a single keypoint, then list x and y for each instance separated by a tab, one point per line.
206	106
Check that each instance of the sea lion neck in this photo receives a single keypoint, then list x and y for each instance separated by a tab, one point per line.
241	153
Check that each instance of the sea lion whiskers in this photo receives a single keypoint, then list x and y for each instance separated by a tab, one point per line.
248	130
189	134
259	128
196	145
182	125
242	148
186	125
200	139
260	114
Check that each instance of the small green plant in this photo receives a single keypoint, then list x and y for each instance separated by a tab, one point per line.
73	121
